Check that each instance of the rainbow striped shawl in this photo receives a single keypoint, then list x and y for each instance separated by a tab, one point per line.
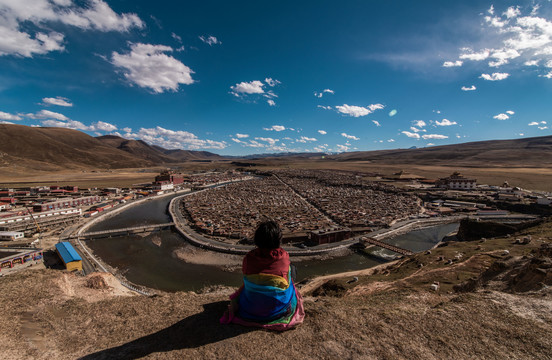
268	301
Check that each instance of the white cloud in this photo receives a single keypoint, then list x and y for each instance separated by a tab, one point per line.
391	140
415	129
445	122
127	129
171	139
322	132
351	137
469	55
533	123
357	111
543	122
253	87
210	40
531	63
272	82
452	63
58	100
325	91
176	37
501	117
342	148
242	136
275	128
376	123
543	127
434	136
324	107
471	88
305	139
69	124
271	141
103	126
149	67
271	102
419	123
512	12
510	112
411	135
19	39
8	116
47	114
494	76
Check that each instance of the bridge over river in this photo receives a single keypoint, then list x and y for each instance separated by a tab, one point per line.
118	232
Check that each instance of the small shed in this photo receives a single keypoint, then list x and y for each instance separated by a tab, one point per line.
11	235
69	256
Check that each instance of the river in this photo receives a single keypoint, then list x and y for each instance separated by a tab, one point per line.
164	260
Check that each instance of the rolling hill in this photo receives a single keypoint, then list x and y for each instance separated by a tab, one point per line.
44	148
526	152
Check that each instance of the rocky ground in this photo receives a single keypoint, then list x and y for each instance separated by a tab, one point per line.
489	303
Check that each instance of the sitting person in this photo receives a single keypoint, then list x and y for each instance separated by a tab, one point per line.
268	297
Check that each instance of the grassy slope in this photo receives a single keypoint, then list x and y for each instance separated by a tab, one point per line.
391	314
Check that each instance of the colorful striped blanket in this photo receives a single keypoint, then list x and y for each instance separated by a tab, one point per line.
267	301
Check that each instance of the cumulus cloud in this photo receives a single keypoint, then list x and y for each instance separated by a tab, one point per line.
351	137
242	136
342	148
104	126
477	56
471	88
494	76
58	101
271	141
252	87
19	39
47	114
453	63
149	67
419	123
324	107
434	136
510	112
501	116
411	135
357	111
322	132
305	139
275	128
69	124
210	40
321	93
171	139
533	123
513	38
256	87
445	122
376	123
9	117
272	82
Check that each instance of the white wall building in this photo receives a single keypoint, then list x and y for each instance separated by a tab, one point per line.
10	235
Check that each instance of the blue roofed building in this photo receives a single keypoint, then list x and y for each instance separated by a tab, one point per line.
69	256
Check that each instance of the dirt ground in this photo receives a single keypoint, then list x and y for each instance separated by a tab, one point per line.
388	312
528	178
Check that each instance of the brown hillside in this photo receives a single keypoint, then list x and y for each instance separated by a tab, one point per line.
54	148
535	152
137	148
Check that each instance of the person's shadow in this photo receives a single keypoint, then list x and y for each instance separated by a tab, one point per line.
194	331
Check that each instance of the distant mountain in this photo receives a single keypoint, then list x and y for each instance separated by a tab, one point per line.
533	152
45	148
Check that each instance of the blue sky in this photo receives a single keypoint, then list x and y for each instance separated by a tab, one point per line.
257	77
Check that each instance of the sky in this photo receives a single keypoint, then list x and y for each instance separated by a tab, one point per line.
250	77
